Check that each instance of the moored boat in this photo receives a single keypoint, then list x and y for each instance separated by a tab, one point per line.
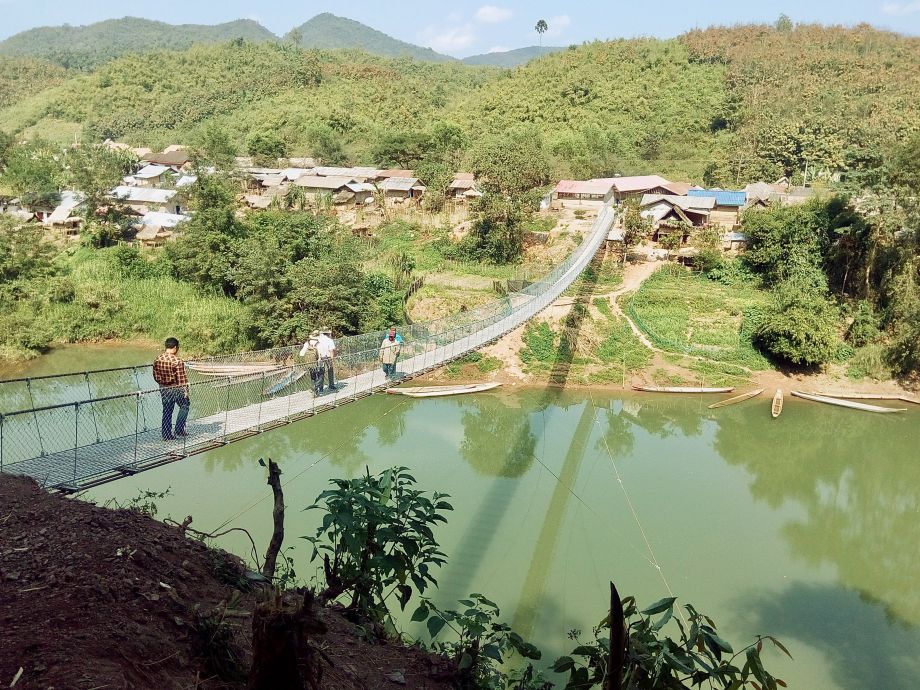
860	396
776	409
737	399
209	369
435	391
681	389
847	403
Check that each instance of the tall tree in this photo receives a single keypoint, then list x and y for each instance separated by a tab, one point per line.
541	28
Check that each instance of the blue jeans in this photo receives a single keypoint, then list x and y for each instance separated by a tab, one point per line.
389	370
171	398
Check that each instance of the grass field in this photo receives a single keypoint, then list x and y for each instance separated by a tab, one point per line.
686	313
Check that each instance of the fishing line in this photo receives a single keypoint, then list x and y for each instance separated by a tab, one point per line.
309	467
648	544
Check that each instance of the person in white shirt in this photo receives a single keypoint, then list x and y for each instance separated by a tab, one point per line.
325	348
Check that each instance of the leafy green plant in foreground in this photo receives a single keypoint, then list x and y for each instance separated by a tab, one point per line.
698	657
376	535
479	640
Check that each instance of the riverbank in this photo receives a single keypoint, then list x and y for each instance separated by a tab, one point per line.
97	598
582	319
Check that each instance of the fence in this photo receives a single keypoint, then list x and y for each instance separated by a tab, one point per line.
78	442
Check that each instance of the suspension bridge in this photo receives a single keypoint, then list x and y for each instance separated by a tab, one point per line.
75	431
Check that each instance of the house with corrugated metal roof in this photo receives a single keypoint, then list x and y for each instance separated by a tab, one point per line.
401	188
635	186
727	210
671	213
591	191
144	199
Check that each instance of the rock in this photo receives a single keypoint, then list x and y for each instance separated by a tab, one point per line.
396	677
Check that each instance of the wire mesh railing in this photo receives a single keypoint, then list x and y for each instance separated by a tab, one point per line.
110	421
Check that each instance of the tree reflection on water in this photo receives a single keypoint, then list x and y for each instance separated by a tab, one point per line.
857	478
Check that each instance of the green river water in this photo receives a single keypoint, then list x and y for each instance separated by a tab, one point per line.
806	527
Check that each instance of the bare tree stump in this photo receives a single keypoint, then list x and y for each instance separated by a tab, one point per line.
274	546
282	658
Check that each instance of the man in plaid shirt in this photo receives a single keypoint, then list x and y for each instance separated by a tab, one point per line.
169	373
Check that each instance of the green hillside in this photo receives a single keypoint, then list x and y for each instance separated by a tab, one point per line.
22	77
328	32
84	47
510	58
718	106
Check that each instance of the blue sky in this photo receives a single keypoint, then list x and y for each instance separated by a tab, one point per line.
463	28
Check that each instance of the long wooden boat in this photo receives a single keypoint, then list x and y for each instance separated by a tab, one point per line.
232	369
847	403
288	380
437	391
860	396
428	389
737	399
776	409
681	389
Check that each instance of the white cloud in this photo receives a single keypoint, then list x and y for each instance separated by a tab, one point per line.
449	39
499	49
558	24
901	8
493	14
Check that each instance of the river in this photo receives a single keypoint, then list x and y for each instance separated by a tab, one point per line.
806	527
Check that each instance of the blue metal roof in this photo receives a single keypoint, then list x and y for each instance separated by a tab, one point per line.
722	197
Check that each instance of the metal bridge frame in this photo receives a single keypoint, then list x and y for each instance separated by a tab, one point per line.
86	442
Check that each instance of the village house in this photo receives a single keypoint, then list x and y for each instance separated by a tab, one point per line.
670	212
141	200
727	210
178	159
356	193
64	218
155	228
593	191
399	189
392	172
317	184
463	186
634	187
153	175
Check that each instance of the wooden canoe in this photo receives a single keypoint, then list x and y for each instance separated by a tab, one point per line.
860	396
776	409
436	391
680	389
430	389
847	403
232	369
737	399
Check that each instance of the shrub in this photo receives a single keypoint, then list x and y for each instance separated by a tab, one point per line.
375	535
865	326
800	326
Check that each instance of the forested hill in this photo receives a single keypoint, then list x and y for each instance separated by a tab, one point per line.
716	106
328	32
83	47
511	58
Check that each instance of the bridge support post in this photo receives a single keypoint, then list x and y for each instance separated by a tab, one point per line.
76	438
